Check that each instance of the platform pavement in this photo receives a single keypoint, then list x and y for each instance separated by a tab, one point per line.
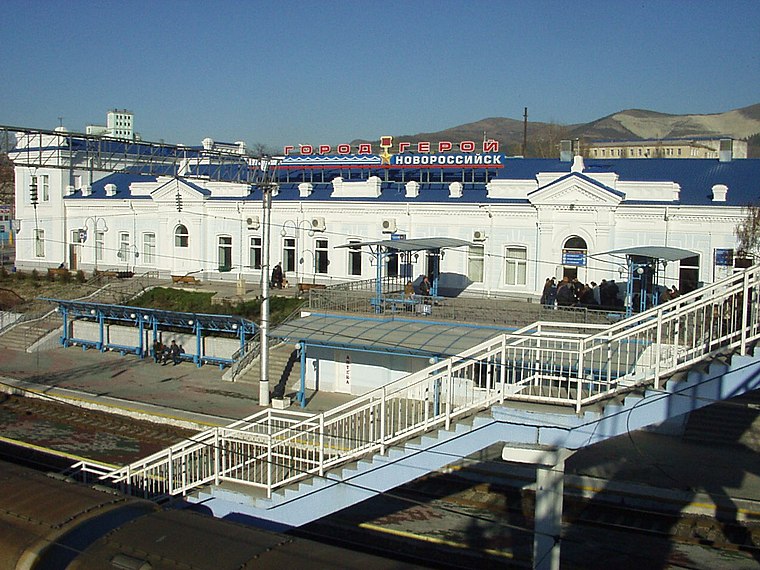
693	476
184	394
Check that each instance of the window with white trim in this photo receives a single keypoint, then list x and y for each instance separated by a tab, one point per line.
123	246
321	259
255	257
149	248
354	258
516	266
225	253
39	243
181	236
475	261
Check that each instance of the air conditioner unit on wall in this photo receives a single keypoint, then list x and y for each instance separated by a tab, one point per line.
253	223
318	224
478	235
389	225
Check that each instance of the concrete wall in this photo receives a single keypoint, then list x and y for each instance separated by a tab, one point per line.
217	347
354	372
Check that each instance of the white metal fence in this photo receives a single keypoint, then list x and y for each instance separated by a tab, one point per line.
547	362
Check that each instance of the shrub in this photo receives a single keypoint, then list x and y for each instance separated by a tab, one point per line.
80	276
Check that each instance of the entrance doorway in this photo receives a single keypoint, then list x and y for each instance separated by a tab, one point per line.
574	253
688	274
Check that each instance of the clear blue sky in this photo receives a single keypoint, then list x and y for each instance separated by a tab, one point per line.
331	71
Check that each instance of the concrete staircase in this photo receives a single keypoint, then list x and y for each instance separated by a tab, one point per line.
24	334
734	422
284	370
32	328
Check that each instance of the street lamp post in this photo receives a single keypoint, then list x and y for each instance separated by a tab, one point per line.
267	166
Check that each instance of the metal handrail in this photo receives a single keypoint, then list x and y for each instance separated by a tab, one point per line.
551	363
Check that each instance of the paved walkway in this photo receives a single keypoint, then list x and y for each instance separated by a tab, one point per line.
184	394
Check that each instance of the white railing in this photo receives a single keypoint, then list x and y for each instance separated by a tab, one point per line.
552	363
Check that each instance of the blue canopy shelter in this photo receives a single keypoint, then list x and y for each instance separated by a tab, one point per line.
384	249
645	266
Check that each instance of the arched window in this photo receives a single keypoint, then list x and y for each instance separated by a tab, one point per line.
181	236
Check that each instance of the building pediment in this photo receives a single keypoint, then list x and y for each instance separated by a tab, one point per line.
167	189
577	189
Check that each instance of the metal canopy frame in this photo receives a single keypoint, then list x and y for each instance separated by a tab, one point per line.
384	248
68	151
150	319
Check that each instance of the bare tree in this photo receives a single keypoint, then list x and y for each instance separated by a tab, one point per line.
748	231
7	184
261	149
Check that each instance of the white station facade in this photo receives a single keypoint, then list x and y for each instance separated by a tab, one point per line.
525	219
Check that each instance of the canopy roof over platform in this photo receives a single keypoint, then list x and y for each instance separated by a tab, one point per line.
408	337
653	251
416	244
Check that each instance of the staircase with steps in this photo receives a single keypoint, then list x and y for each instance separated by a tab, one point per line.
33	327
24	334
733	422
284	370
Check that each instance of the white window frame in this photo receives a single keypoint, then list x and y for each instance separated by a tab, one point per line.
255	252
354	259
517	267
44	187
289	254
476	254
100	245
321	251
224	252
181	238
123	246
149	248
39	243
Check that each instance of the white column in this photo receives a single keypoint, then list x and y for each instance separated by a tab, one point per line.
550	486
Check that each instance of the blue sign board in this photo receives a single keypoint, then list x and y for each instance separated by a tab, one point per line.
724	257
577	258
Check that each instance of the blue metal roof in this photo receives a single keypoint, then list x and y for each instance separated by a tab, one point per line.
696	177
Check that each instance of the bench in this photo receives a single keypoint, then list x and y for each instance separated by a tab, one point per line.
303	287
185	279
57	272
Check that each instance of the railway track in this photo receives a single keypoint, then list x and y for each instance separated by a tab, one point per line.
68	430
457	520
471	516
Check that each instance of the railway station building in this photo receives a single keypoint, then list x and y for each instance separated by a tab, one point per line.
525	219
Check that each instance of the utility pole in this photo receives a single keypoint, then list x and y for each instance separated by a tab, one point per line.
267	166
525	132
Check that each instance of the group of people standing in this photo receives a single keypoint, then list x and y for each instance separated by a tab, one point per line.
573	293
163	353
605	295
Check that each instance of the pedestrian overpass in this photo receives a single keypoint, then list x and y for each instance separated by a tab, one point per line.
542	392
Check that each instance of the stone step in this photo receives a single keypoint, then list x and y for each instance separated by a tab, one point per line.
733	422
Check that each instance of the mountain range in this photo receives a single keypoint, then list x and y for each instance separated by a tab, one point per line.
631	124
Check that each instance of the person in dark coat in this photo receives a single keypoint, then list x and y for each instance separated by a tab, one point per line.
277	276
174	352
